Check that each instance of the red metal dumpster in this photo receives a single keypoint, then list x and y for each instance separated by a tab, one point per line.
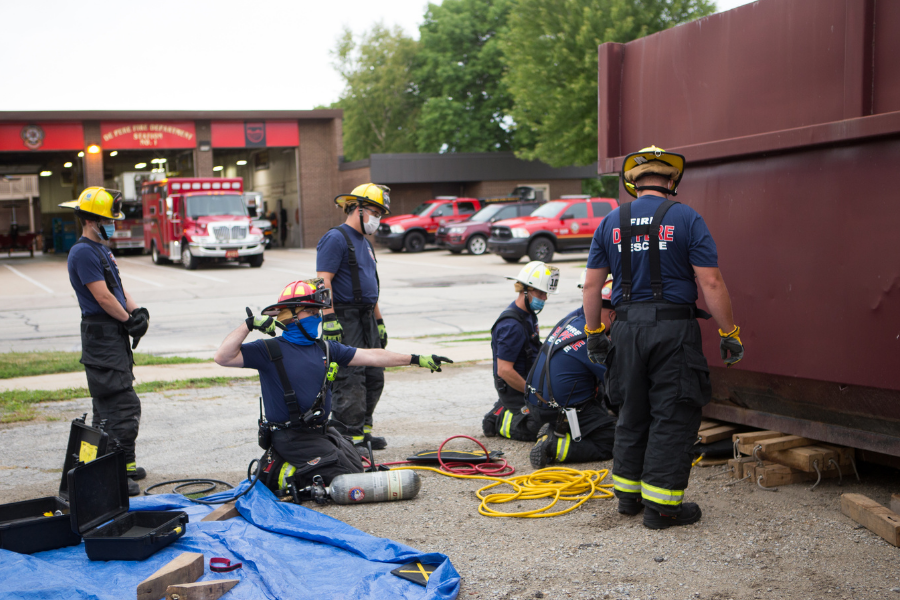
788	112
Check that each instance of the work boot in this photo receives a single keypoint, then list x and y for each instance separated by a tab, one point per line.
690	513
630	506
543	448
378	443
489	425
135	472
133	488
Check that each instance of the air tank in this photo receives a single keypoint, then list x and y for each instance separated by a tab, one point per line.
378	486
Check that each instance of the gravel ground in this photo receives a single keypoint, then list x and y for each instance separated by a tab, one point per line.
750	543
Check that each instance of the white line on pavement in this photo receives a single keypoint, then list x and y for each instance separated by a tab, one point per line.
141	279
29	279
182	271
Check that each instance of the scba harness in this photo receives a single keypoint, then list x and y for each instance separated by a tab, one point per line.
295	418
531	345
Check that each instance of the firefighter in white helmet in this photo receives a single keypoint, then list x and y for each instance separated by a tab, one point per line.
515	341
346	262
109	315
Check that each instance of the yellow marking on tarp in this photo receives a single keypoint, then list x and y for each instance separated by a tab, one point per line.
421	571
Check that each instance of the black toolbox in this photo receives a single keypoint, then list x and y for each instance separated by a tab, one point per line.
25	526
98	499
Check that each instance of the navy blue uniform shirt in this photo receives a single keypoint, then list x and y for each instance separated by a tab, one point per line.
86	267
332	256
305	366
510	342
685	240
573	376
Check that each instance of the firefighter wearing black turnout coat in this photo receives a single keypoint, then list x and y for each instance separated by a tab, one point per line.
109	315
346	262
656	371
515	341
295	371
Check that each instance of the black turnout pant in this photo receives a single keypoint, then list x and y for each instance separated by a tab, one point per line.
598	429
356	390
659	377
507	419
304	453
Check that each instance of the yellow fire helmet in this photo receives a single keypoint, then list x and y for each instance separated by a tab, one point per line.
606	292
539	276
97	202
656	161
367	193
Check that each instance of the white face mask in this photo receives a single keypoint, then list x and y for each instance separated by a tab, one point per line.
372	224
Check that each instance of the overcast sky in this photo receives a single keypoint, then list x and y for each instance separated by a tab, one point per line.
191	55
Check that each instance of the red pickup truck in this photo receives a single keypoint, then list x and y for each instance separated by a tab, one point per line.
411	232
564	225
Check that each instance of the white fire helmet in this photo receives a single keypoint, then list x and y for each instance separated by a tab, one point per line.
539	276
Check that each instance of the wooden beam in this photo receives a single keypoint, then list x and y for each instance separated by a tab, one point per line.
708	436
736	466
185	568
223	513
895	503
805	458
784	443
747	441
775	474
873	516
203	590
708	425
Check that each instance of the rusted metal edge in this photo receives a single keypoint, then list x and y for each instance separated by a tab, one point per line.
797	139
834	434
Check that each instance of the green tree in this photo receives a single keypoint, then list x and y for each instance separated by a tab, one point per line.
381	99
550	49
459	74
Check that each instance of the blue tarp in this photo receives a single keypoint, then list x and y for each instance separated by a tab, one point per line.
287	551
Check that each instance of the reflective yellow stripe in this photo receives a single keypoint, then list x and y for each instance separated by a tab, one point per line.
562	448
357	439
367	428
626	485
287	470
130	466
661	495
506	423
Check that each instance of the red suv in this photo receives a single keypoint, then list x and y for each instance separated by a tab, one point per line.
564	225
415	230
472	234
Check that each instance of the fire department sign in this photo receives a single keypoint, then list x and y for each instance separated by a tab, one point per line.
32	136
140	135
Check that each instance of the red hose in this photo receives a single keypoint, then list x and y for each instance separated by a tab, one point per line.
489	468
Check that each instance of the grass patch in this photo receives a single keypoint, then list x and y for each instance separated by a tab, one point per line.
26	364
439	335
475	339
17	405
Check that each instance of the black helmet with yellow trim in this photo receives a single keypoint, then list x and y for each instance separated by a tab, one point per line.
652	161
97	203
367	193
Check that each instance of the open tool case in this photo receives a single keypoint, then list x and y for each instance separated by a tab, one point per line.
98	497
25	526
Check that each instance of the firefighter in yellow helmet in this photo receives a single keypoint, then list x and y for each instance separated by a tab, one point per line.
109	315
295	373
659	251
345	260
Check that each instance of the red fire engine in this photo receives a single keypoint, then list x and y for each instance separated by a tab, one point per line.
199	219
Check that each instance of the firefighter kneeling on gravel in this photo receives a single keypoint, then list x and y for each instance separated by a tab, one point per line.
109	315
295	372
565	394
515	342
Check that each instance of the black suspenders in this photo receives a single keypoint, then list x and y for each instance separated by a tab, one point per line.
111	282
290	396
354	267
548	350
628	231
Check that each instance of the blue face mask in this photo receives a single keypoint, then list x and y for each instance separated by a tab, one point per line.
110	230
536	304
311	325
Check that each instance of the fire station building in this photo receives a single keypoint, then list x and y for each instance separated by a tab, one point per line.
294	159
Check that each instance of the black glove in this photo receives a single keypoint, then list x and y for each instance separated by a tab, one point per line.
142	311
731	342
263	323
136	326
598	347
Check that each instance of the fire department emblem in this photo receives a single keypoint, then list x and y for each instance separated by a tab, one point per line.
357	494
32	136
255	133
575	227
314	461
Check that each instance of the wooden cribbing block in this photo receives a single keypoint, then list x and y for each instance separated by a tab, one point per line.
803	458
873	516
223	513
748	440
708	436
708	425
846	455
185	568
736	466
203	590
895	503
775	474
784	443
